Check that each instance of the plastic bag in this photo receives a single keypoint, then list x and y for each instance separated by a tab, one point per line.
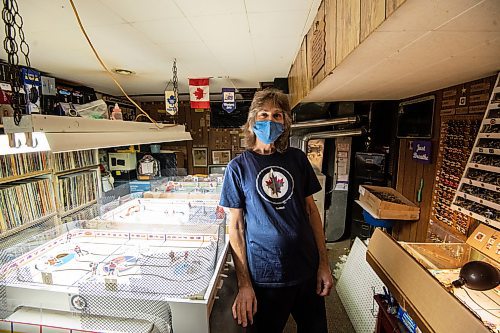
94	110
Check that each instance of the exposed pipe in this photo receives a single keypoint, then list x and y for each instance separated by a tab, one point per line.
328	135
326	122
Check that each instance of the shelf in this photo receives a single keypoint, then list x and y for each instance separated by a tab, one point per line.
491	209
493	223
25	176
478	200
489	151
488	136
490	121
76	209
68	172
483	167
494	105
26	225
480	184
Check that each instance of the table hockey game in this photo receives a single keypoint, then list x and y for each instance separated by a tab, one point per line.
166	211
164	277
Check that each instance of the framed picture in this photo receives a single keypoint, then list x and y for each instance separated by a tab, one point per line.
242	142
200	158
216	169
221	156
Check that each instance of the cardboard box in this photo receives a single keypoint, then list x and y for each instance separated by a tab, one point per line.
486	240
405	268
403	209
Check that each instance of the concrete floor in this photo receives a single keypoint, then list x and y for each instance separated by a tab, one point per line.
221	319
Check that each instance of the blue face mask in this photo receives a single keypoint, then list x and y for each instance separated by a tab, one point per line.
268	131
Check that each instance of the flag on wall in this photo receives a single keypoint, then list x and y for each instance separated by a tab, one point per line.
228	100
171	102
199	93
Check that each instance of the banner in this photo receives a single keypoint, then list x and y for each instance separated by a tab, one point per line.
170	102
228	100
199	93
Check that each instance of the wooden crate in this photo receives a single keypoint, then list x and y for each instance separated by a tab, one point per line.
405	210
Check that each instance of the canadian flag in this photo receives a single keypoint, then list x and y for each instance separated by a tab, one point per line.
199	93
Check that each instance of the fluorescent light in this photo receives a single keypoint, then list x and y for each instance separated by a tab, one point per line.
61	134
40	143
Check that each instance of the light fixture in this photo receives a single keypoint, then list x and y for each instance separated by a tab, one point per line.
21	143
478	275
60	134
122	71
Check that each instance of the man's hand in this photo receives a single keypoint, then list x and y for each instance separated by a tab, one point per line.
324	282
245	306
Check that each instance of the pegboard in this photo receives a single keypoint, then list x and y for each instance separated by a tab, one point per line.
356	288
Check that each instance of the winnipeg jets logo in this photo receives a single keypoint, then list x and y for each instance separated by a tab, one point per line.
274	184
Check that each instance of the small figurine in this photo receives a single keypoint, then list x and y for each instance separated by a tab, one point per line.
111	268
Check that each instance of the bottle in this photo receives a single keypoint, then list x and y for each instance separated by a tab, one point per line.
117	113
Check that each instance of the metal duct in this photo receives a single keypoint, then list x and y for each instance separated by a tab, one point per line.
326	122
328	135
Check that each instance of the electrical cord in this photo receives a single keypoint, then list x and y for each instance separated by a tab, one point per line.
109	72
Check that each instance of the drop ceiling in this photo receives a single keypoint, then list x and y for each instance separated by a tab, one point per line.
238	43
425	45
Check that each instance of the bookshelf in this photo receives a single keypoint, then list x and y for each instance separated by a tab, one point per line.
44	188
76	181
26	192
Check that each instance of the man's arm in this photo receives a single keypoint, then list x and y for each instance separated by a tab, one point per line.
324	277
245	304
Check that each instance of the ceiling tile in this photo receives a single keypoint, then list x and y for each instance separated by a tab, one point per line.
168	31
138	11
259	6
276	25
194	8
221	28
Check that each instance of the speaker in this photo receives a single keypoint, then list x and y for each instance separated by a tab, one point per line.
281	83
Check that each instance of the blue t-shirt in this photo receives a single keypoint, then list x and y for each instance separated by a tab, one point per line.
271	190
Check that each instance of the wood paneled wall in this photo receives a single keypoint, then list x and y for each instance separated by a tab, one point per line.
348	27
338	28
197	122
372	15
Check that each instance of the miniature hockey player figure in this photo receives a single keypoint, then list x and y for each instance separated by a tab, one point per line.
112	268
93	268
172	255
186	254
68	237
78	250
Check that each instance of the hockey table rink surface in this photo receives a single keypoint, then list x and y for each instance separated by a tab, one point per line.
190	265
166	211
